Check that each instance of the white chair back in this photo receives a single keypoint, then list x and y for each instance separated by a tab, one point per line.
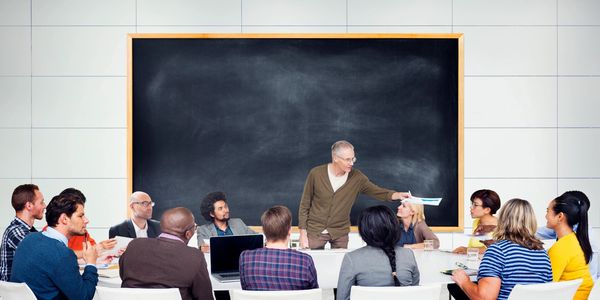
424	292
546	291
15	291
314	294
106	293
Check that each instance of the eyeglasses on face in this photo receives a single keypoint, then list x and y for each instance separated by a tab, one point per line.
348	160
145	203
473	205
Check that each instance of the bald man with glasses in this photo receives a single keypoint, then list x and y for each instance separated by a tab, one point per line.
329	193
141	223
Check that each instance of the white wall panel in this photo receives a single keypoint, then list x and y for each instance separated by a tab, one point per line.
98	233
578	151
15	53
190	29
399	29
506	12
510	152
510	101
578	101
83	12
399	12
578	12
15	101
79	102
591	187
79	153
509	50
71	51
189	12
294	29
291	12
106	199
15	12
445	240
538	192
578	50
15	153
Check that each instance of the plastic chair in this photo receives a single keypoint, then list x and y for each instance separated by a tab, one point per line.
314	294
106	293
396	292
15	291
547	291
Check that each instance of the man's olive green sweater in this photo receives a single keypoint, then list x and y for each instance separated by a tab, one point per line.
321	208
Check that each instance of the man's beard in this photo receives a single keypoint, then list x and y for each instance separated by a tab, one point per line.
225	219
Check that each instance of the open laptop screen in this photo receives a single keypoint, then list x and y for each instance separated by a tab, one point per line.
225	251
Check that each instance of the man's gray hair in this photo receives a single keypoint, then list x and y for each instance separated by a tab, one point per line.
339	145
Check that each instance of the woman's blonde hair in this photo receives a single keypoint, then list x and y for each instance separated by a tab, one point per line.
516	223
419	213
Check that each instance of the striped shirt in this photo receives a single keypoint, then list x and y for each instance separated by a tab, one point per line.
514	264
13	235
267	269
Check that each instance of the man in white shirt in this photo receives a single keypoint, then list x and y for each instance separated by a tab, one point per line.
141	223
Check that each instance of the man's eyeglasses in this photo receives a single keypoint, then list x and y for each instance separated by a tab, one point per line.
473	205
145	203
348	160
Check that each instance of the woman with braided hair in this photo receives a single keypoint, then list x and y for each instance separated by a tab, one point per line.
381	262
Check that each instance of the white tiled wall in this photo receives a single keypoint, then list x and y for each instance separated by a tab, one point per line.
532	87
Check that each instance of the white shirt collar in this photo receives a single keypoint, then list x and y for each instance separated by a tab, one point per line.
54	234
140	232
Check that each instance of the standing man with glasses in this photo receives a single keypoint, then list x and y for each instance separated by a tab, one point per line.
329	193
141	223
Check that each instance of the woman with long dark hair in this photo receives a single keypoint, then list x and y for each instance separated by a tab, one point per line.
381	262
572	252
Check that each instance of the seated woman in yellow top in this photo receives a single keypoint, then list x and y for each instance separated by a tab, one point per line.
484	204
572	252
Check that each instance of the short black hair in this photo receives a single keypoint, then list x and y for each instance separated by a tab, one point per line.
207	206
62	204
75	192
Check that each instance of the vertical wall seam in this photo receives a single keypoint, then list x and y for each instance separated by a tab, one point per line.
30	91
557	100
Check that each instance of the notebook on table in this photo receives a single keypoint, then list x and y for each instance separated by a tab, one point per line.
225	254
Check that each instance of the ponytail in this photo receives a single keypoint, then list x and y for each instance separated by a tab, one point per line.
582	232
391	254
575	205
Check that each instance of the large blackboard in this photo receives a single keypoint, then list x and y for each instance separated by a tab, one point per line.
251	116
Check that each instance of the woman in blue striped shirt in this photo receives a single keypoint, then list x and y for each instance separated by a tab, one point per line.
517	257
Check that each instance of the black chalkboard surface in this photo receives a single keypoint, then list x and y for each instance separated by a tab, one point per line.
250	116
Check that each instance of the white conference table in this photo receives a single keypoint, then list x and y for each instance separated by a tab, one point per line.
328	263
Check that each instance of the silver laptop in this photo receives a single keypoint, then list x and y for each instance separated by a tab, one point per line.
225	254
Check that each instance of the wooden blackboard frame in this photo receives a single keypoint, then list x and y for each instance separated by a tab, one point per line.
460	88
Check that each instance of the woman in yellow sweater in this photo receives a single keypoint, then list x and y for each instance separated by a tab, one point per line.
572	251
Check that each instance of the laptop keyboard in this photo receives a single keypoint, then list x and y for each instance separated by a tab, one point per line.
231	274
